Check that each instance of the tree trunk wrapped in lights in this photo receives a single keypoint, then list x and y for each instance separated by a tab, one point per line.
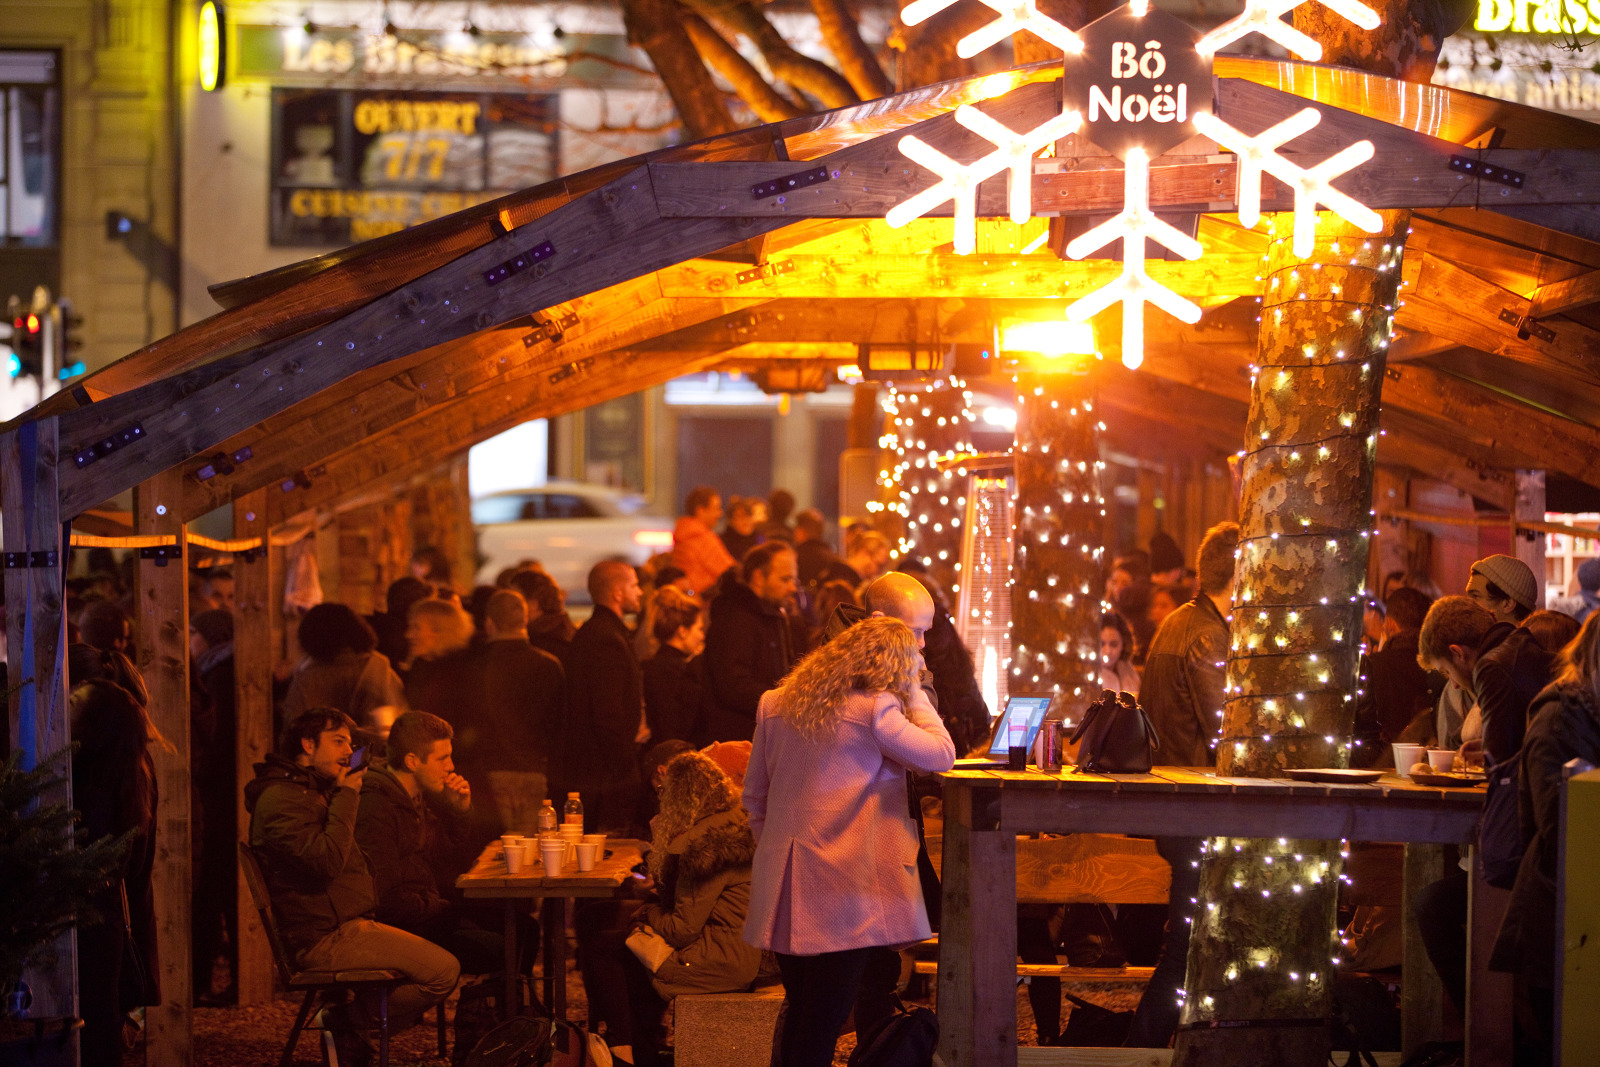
1263	939
924	426
1057	513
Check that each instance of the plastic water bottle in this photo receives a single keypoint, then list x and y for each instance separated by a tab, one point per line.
574	809
547	818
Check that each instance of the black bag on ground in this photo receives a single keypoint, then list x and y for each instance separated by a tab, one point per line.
520	1042
1091	1026
903	1038
1366	1019
1500	827
1116	736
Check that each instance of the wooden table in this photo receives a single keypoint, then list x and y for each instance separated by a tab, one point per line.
984	811
489	879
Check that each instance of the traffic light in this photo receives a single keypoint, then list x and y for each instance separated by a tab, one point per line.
27	344
69	328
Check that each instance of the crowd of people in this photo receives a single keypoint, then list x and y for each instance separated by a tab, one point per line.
761	723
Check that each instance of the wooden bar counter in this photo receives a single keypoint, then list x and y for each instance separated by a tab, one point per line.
985	810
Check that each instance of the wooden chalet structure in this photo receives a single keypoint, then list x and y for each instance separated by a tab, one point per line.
322	383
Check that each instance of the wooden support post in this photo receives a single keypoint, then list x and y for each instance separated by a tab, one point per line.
36	640
977	953
1529	506
162	632
254	654
1489	997
1421	992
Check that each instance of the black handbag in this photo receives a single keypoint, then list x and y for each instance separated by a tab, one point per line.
1500	826
1116	736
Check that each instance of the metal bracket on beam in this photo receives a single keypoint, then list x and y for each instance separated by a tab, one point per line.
567	370
1488	171
107	445
764	270
552	330
161	554
24	560
519	263
223	463
789	182
1527	326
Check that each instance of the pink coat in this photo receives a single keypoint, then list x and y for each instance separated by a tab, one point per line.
836	848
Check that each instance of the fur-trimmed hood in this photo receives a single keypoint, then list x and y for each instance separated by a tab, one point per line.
712	846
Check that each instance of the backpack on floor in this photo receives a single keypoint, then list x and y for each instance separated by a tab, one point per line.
904	1038
539	1041
1091	1026
477	1012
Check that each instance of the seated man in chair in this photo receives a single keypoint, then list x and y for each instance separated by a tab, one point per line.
302	807
413	812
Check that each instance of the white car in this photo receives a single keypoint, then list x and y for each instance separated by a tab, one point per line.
568	527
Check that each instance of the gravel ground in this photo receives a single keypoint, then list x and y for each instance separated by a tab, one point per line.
254	1036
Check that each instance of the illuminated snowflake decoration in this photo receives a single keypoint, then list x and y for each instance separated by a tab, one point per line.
1134	287
1266	18
958	182
1014	17
1258	156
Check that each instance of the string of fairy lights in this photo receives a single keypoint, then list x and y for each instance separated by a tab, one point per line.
925	426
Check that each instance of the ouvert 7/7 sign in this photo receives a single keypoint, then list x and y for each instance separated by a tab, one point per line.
1138	82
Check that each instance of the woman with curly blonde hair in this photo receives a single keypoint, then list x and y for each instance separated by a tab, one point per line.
835	871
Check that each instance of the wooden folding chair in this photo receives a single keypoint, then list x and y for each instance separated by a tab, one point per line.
320	983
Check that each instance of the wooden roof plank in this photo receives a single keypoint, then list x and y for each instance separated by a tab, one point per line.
585	254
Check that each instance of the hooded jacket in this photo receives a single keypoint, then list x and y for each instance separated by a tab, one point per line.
304	831
706	875
699	553
396	835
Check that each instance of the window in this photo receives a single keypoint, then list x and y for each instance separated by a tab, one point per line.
30	131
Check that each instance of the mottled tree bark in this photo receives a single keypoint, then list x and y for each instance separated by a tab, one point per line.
1262	944
768	104
925	425
656	27
1056	549
927	51
1406	45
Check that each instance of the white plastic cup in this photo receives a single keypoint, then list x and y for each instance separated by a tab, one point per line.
516	858
554	854
1442	759
587	853
1407	756
599	843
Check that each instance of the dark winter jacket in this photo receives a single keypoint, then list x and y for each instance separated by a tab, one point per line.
605	703
439	683
1396	690
1183	678
356	683
513	724
1512	668
1563	724
748	649
707	878
674	690
398	836
813	558
553	633
304	832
